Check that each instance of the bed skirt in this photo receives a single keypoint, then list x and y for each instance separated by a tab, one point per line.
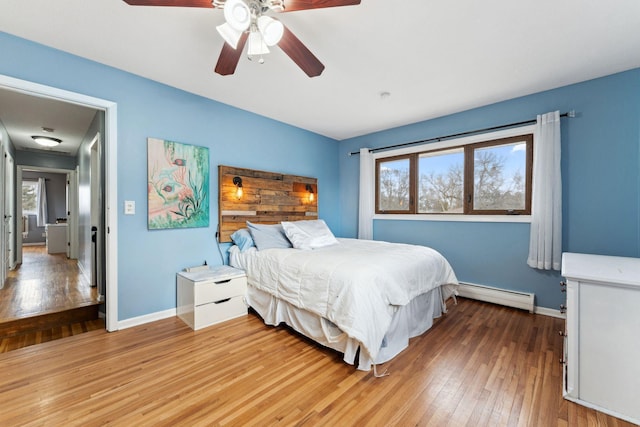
408	321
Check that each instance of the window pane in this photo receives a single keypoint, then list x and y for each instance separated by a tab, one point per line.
29	195
499	177
441	181
393	185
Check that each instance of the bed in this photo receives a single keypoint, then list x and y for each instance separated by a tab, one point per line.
362	298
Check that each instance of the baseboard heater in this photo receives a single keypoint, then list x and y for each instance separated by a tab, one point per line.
516	299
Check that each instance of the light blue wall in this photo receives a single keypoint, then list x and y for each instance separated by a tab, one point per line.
148	260
601	185
601	162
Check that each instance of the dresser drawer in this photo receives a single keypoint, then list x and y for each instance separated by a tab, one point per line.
208	314
210	291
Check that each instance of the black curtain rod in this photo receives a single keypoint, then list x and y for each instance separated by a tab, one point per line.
571	113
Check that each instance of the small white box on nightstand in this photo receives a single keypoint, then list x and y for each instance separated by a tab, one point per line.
210	296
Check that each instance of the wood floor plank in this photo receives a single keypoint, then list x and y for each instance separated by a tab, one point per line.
481	365
44	283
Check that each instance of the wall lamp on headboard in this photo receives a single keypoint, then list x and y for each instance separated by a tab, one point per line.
311	195
237	181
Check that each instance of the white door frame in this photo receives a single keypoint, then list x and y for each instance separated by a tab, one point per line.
10	188
8	224
111	176
3	223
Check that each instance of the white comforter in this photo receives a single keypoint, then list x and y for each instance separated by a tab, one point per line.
356	284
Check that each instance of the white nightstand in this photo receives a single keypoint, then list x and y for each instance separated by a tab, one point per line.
210	296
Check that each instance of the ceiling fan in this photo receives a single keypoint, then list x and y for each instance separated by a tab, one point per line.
247	20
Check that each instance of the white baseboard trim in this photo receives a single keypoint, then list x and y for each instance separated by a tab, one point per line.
550	312
515	299
147	318
34	244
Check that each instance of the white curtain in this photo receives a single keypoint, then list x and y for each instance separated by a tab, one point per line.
367	195
545	244
41	201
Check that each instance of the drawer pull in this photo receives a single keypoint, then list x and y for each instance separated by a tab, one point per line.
222	300
222	282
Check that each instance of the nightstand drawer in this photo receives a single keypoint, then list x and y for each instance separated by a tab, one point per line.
211	313
210	291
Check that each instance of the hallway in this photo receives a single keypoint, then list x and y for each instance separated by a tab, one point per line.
45	298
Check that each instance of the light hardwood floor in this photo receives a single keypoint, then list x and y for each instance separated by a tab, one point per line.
44	283
480	365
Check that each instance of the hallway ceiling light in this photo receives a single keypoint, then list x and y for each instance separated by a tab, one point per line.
46	141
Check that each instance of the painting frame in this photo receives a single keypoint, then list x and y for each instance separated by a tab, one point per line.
177	185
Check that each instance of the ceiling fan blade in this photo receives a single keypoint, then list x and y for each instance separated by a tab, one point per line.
180	3
298	52
293	5
229	57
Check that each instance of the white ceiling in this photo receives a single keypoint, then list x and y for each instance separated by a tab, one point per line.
24	116
433	57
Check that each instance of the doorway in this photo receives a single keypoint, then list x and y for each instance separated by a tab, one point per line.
108	214
47	261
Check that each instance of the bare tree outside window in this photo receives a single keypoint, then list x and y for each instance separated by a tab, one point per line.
393	194
441	182
498	178
29	197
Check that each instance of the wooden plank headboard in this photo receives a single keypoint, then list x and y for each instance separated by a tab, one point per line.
267	198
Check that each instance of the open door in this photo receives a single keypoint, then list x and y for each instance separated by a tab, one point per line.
72	214
10	210
7	209
97	217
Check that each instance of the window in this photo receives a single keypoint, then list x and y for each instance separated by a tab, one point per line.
29	197
393	194
488	177
441	181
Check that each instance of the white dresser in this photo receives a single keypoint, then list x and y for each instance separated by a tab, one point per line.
210	296
56	238
602	335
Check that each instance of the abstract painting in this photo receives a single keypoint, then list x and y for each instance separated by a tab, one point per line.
178	185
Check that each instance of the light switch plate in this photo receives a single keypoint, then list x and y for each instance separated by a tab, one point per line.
129	207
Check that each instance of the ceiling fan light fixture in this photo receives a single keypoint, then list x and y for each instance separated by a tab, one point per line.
229	34
257	46
237	14
271	30
46	141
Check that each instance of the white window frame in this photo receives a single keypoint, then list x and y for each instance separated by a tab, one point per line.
467	140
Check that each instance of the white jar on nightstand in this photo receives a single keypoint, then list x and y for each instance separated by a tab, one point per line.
210	296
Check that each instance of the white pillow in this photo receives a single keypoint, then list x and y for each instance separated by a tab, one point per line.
309	234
